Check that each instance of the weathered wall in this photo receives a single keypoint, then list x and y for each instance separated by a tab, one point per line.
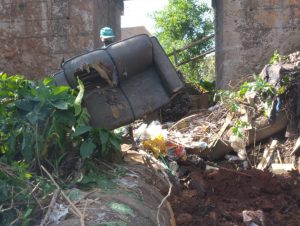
37	34
249	31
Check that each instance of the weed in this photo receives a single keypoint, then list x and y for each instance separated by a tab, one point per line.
238	128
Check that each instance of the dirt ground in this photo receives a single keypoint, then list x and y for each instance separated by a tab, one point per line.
219	197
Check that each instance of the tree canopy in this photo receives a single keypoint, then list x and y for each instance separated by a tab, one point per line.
181	22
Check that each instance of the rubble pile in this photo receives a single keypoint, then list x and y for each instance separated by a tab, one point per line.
249	135
243	118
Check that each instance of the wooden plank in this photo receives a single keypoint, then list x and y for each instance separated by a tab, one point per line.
221	131
196	57
296	147
267	156
193	44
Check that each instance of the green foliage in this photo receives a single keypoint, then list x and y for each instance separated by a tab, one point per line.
260	86
207	86
41	122
228	97
180	23
257	95
276	58
17	194
264	93
238	128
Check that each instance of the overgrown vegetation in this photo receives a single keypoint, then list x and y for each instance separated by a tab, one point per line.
180	23
258	95
260	90
21	194
42	125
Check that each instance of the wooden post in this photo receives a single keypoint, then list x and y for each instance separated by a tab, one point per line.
175	56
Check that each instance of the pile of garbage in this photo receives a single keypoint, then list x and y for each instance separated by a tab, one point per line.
222	160
237	125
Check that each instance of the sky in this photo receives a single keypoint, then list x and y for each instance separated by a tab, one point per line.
136	12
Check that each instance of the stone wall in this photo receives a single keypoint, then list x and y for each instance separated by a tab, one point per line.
37	34
249	31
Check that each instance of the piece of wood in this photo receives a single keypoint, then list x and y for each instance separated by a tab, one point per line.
50	207
192	44
267	156
228	170
196	57
221	131
279	157
74	209
172	215
282	168
296	147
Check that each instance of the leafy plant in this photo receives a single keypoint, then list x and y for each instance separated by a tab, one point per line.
180	23
264	93
238	128
260	86
18	197
275	58
41	122
228	97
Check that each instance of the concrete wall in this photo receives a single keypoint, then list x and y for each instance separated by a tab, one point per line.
128	32
249	31
37	34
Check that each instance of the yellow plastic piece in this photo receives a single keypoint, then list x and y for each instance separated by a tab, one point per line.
156	144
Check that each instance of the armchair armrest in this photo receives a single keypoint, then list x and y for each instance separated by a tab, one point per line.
166	70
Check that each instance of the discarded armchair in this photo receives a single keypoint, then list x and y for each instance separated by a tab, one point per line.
124	81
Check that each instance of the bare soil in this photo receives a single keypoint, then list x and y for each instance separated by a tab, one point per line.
218	197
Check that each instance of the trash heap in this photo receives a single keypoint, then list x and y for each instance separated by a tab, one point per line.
234	163
259	109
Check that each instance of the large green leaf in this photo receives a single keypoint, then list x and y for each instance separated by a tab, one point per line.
82	130
104	136
64	117
47	81
87	148
84	117
25	104
28	148
60	104
60	89
4	93
43	92
115	143
39	113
